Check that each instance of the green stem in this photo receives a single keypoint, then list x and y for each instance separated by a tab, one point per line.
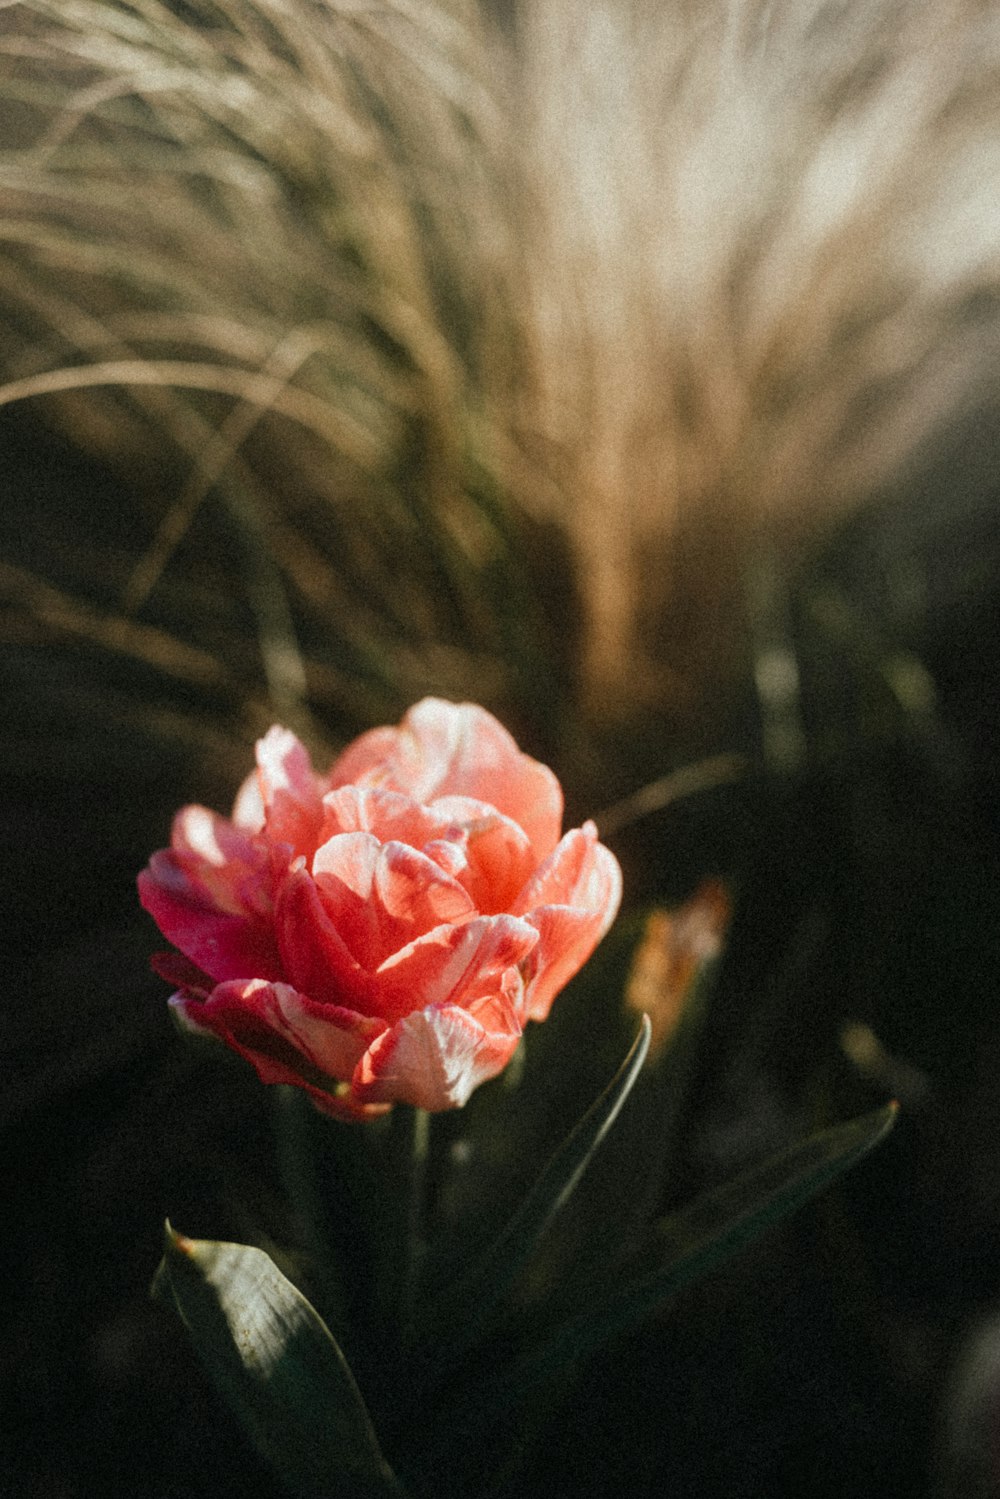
409	1146
313	1160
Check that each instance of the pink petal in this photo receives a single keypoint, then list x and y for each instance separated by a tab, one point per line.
566	939
415	894
248	808
364	760
447	749
343	1105
434	1058
393	817
389	815
489	853
286	1037
231	865
498	853
211	895
451	858
571	901
579	872
455	965
381	897
344	875
289	791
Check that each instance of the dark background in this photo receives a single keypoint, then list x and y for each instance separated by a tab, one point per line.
864	881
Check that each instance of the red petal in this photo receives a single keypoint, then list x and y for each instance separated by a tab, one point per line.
314	956
343	1105
498	854
567	938
211	895
390	815
433	1059
286	1037
579	872
487	852
231	866
248	808
415	894
364	760
182	974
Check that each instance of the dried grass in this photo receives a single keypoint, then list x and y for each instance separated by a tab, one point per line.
429	305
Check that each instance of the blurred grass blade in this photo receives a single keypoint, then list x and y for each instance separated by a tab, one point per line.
467	1308
694	1241
274	1361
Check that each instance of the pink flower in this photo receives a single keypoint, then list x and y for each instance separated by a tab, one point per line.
380	934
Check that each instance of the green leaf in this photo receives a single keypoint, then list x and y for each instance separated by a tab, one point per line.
274	1361
694	1241
468	1307
713	1227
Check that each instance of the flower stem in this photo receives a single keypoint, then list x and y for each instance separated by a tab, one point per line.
311	1157
409	1146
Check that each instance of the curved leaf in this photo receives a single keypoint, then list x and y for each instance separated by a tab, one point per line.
274	1361
694	1241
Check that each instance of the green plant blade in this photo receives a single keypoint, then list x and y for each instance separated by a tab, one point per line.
694	1241
273	1360
714	1226
468	1306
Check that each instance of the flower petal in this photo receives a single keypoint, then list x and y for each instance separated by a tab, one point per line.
389	815
286	1037
393	817
366	761
456	965
488	852
211	895
571	901
248	808
182	973
448	749
380	897
315	958
435	1058
579	872
498	854
290	791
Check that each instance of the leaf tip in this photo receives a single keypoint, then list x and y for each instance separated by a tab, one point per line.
640	1046
177	1243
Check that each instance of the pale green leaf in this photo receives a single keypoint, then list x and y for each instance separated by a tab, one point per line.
275	1362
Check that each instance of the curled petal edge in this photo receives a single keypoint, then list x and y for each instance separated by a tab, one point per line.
568	929
288	1038
435	1058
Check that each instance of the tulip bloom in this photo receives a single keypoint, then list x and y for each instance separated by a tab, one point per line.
381	933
